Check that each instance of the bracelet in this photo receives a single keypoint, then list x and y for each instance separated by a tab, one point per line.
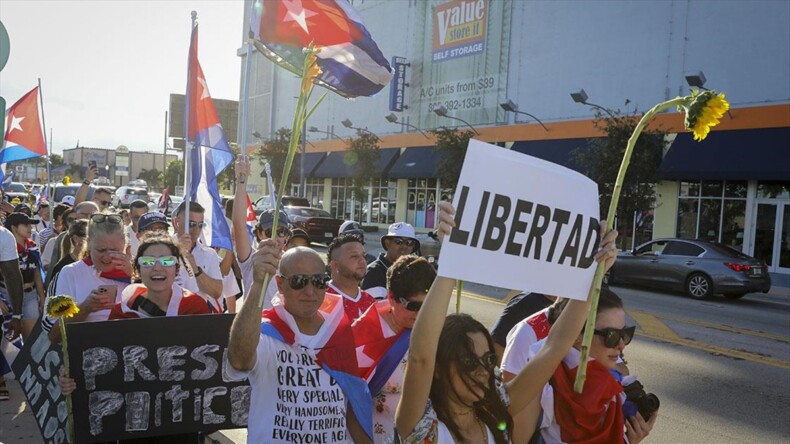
17	316
241	181
198	272
85	182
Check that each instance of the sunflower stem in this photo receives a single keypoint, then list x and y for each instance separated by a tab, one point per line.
589	328
458	289
65	345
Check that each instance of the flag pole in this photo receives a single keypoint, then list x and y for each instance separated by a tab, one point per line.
49	165
189	145
44	128
245	92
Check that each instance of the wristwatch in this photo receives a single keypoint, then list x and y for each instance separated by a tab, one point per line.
198	272
17	316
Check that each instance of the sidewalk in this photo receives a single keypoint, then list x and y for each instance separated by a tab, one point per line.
17	423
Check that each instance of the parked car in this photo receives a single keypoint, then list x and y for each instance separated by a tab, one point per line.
430	247
62	191
16	190
265	202
319	224
697	267
125	195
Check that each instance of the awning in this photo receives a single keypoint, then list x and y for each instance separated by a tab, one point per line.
559	151
340	164
311	161
755	154
418	162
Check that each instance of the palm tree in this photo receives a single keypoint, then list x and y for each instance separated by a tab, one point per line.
152	177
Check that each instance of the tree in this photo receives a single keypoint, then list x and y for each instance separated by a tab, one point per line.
174	175
56	160
451	144
362	156
152	177
601	160
73	170
274	152
228	176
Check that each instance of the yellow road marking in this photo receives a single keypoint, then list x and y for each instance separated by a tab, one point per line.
653	328
726	328
651	325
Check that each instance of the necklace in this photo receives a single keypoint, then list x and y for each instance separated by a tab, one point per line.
482	429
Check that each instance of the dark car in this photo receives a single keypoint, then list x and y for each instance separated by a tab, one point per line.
319	224
697	267
265	203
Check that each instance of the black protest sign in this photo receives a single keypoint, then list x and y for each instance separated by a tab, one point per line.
153	377
37	367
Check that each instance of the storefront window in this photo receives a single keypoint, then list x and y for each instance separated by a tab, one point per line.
773	190
421	202
382	202
314	191
713	211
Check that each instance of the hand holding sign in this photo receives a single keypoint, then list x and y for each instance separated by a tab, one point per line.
446	219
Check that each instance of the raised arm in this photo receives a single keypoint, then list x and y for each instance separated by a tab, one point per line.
245	331
424	342
82	192
529	382
240	236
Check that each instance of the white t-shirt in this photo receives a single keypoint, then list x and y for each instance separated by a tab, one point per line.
49	249
133	241
246	281
78	280
208	261
7	246
517	348
230	288
293	399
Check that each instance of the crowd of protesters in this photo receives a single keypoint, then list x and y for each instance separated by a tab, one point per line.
429	377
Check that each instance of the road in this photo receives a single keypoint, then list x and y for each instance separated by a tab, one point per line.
719	367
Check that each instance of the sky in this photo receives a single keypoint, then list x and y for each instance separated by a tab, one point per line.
108	67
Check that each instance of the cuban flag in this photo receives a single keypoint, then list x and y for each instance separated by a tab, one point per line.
351	63
24	136
210	154
336	355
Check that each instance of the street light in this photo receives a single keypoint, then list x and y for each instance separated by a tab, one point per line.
441	111
348	124
508	105
696	79
392	118
314	129
580	96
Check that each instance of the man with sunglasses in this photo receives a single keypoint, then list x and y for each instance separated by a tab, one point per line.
290	358
346	256
201	273
136	209
400	240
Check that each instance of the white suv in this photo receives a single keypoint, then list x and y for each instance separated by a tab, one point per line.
126	195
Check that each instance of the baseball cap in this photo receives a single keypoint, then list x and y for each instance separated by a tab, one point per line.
353	228
148	220
23	208
400	229
266	219
68	200
298	232
19	219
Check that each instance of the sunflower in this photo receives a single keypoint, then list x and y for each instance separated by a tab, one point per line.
61	306
704	111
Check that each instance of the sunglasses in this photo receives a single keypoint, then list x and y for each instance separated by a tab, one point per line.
281	232
111	218
410	305
612	336
193	224
401	241
470	363
150	261
105	203
299	281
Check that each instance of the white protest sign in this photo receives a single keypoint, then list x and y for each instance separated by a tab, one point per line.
522	222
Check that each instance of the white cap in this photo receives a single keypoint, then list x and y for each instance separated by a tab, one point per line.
68	200
400	229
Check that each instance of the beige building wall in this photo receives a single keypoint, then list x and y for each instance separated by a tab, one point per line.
666	212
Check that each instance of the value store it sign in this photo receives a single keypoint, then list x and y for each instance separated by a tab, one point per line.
459	29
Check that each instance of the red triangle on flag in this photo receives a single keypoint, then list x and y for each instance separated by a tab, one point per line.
23	126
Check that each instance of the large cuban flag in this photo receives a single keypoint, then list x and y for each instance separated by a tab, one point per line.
24	136
351	63
211	153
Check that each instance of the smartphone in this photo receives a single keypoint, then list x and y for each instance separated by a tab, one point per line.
91	164
109	290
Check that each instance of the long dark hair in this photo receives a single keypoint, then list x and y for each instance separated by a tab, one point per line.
454	343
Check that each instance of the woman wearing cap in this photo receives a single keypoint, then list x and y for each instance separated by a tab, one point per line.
21	226
74	245
97	281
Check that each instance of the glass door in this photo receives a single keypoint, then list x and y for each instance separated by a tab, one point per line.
783	239
772	235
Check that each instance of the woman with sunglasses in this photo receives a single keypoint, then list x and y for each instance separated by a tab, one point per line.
450	392
597	414
97	281
74	245
157	264
386	326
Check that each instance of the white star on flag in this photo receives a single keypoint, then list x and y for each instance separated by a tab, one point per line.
15	123
205	93
363	359
297	13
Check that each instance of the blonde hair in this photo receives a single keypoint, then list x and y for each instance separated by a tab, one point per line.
96	229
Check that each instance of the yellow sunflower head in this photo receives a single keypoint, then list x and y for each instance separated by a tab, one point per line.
61	306
704	111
